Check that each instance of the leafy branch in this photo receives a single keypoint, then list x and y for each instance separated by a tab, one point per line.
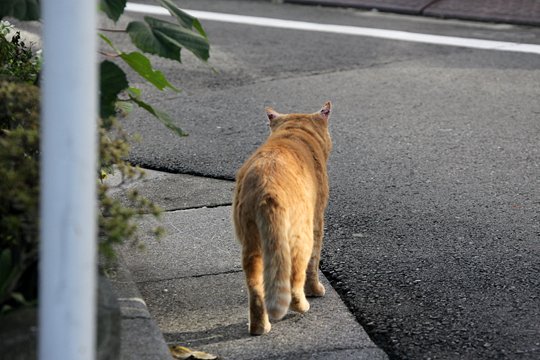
152	36
19	133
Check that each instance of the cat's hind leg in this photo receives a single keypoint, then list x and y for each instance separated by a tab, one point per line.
252	263
300	259
313	285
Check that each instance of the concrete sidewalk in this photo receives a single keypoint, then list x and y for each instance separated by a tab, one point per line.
191	285
521	12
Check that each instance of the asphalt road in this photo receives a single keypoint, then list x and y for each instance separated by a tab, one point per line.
433	235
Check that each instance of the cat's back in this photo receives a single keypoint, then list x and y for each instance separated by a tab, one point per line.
273	168
281	161
290	166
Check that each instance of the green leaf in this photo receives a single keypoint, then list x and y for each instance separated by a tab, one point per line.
113	8
135	92
112	81
142	36
163	117
20	9
143	67
166	39
184	18
109	42
124	107
180	36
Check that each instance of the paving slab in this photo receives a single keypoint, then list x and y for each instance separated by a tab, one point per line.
210	314
197	242
194	287
193	284
173	191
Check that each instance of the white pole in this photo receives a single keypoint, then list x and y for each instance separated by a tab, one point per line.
67	284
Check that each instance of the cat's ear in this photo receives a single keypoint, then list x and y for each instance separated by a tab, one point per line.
325	110
271	114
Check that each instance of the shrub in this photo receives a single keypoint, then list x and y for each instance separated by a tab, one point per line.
19	136
19	192
18	62
19	171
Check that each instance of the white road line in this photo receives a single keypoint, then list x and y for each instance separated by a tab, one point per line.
346	30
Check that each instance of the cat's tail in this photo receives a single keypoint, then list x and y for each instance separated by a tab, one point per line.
274	226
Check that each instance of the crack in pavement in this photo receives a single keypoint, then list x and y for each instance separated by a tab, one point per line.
189	276
212	206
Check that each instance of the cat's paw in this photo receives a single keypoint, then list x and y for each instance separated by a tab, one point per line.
259	329
300	305
315	290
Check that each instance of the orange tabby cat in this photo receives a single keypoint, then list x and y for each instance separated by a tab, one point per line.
278	212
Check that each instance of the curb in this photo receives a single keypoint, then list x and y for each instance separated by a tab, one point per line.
140	337
497	11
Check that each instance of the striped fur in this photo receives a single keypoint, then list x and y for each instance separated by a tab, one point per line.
278	213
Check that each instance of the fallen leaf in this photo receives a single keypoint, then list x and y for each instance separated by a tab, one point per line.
183	353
